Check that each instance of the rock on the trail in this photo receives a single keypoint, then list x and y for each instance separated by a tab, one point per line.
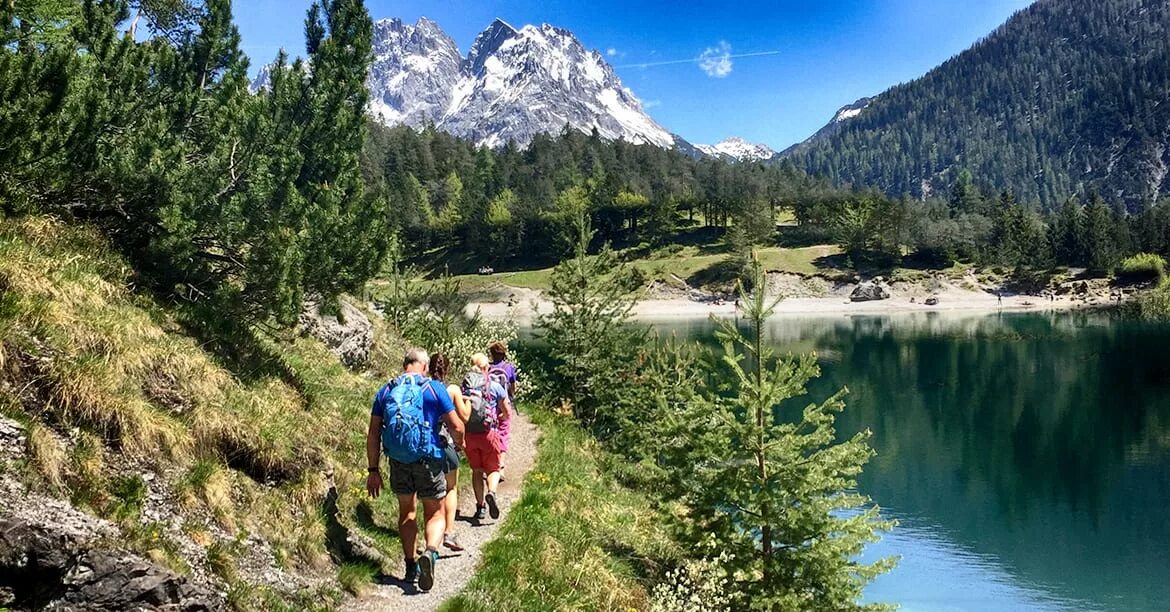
866	292
349	334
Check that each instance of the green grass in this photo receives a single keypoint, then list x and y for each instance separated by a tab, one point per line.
576	540
243	437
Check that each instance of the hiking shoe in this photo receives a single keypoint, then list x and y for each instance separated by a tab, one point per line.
480	513
426	570
493	508
411	571
452	542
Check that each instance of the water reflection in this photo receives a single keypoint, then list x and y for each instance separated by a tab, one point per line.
1027	455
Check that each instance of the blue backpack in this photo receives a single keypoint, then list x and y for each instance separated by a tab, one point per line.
406	434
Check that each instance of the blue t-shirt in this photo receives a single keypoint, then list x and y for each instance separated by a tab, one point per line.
436	403
499	394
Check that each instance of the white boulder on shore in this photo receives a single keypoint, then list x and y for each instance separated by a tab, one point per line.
867	292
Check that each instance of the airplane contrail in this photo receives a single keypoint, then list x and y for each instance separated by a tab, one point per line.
697	59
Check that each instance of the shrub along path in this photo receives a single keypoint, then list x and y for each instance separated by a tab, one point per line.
455	569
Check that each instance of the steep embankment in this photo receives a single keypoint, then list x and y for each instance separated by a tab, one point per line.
230	470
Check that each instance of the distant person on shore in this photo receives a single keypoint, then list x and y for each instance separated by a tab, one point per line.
503	372
440	368
490	407
404	423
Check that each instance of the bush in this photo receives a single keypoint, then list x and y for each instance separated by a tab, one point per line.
1152	306
1141	267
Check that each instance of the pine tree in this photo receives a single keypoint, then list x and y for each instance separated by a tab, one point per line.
502	236
1066	234
769	491
588	332
1099	235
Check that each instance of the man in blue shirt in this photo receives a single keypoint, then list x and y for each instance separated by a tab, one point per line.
423	479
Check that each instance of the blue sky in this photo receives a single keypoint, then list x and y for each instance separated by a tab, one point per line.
771	72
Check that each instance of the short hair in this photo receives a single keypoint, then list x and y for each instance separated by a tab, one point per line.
415	355
479	360
498	350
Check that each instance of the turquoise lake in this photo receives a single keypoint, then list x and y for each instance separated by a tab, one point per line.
1026	456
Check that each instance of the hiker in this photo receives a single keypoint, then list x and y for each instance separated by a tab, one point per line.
490	406
440	367
407	414
503	372
499	353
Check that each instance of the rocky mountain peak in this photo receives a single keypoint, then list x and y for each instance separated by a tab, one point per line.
513	84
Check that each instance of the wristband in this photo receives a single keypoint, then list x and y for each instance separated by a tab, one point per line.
374	470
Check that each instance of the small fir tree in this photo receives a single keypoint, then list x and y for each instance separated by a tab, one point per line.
589	335
770	490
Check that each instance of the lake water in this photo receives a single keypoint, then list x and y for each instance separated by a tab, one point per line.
1026	457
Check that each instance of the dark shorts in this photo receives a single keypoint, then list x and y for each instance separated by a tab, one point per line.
450	459
424	478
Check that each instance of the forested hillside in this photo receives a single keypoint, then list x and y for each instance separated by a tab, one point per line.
1066	96
507	204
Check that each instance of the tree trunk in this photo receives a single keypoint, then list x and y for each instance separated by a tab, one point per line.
761	463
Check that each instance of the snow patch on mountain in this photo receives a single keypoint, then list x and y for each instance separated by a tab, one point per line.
738	149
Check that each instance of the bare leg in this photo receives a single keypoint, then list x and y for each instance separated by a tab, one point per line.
493	481
433	512
451	502
407	526
477	478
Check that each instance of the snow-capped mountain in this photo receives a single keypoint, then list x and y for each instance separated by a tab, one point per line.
414	73
738	149
513	84
519	83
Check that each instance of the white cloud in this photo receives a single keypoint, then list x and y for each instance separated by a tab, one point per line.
716	61
611	52
649	104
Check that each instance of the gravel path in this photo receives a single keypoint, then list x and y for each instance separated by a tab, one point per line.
455	569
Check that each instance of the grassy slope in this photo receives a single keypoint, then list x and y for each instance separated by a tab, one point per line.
576	540
245	448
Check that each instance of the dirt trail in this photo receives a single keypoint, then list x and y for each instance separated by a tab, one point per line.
455	569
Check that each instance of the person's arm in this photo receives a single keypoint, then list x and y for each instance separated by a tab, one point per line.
374	456
450	415
461	407
454	427
505	405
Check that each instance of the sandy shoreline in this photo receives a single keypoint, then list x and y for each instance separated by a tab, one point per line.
973	303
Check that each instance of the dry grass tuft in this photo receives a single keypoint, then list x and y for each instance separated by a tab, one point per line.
47	454
207	482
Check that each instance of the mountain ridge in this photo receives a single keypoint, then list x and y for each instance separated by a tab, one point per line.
1066	97
513	83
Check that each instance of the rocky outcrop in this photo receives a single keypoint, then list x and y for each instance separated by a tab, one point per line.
42	567
866	292
348	334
